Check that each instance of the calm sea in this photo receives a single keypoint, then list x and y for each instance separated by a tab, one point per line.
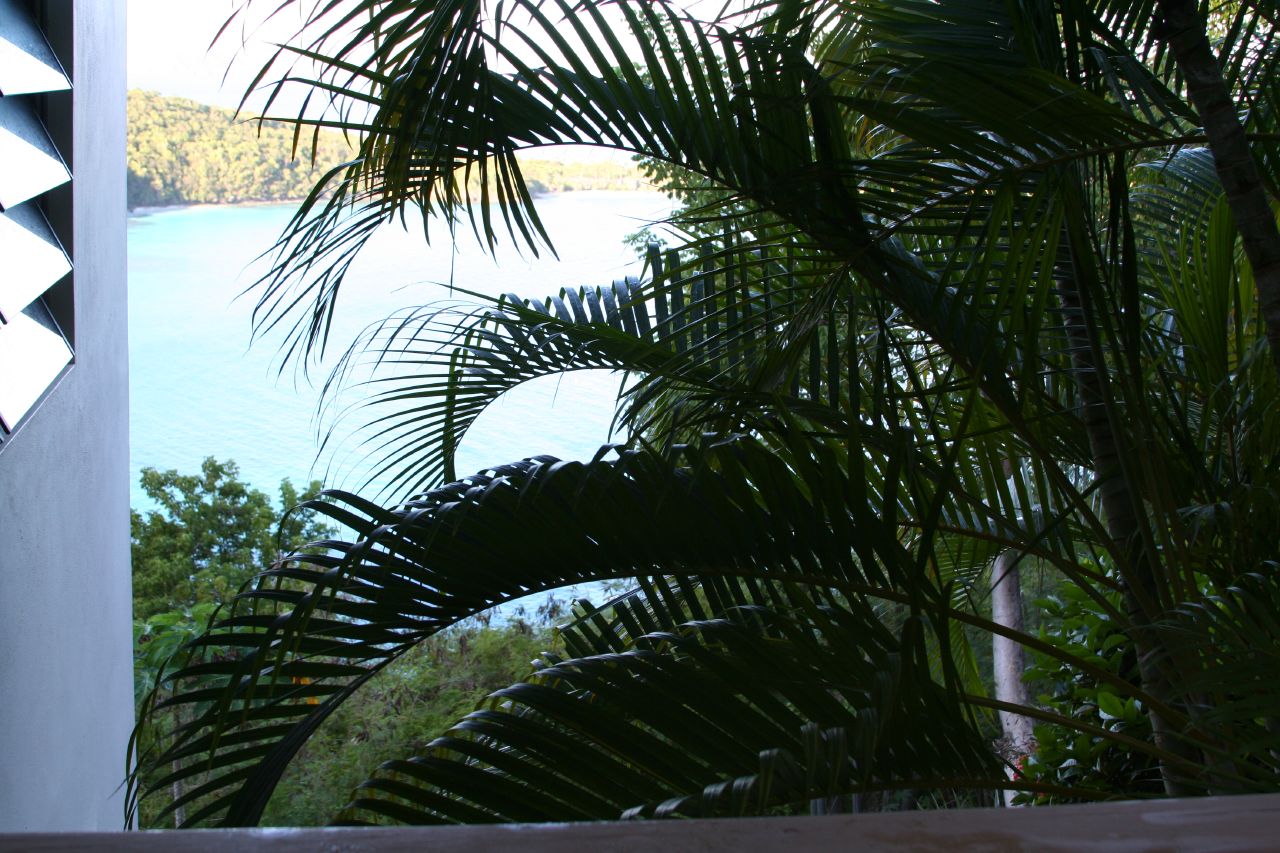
198	388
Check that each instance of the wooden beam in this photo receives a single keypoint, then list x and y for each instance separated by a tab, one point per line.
1236	824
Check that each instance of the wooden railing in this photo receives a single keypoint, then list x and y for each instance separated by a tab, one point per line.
1224	824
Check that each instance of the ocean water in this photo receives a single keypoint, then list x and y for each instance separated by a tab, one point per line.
200	388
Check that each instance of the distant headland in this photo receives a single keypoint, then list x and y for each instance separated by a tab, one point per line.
181	152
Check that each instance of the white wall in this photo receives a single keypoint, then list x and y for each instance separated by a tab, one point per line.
66	695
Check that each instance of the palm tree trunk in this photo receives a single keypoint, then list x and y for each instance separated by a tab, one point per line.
1009	661
180	813
1138	573
1183	28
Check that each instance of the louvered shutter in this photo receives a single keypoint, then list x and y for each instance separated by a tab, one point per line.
33	349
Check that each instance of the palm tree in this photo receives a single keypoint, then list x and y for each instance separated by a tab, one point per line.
958	281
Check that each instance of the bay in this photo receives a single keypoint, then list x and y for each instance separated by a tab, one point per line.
198	388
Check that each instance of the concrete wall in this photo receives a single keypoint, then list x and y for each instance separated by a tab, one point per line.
66	691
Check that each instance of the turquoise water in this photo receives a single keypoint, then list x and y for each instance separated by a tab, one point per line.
199	389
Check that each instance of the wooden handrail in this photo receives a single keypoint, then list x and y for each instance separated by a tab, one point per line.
1235	824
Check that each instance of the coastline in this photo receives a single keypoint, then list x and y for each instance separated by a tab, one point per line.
144	210
149	209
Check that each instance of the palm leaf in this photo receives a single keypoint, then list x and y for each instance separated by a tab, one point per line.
708	720
359	605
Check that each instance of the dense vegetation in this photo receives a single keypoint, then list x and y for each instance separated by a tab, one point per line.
183	152
210	533
207	535
966	292
423	693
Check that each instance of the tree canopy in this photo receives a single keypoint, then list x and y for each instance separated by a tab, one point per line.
209	533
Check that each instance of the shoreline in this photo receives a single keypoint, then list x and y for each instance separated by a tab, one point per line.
144	210
149	209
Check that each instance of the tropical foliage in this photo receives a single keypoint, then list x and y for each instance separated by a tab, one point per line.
959	280
204	538
209	533
438	682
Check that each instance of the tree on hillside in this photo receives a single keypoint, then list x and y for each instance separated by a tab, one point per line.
971	292
209	534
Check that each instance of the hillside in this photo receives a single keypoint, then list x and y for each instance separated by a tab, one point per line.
184	152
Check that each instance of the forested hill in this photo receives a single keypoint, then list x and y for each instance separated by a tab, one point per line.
183	152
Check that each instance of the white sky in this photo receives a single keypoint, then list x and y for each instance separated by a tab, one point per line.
173	56
169	52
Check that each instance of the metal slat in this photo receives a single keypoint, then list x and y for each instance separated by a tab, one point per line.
27	63
33	350
32	354
29	162
33	259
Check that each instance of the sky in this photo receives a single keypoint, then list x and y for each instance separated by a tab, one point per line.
184	59
169	50
172	54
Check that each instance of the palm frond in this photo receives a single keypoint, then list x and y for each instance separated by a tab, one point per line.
728	716
338	616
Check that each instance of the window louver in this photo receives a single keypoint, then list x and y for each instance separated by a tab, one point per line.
33	349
